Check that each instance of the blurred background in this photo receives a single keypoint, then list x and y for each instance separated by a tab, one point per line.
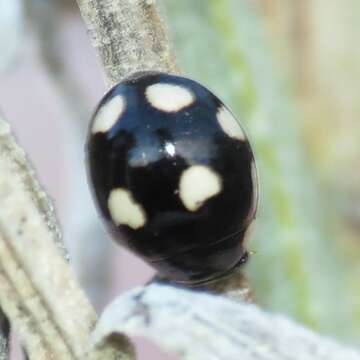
289	69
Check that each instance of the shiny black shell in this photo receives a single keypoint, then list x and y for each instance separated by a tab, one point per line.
173	175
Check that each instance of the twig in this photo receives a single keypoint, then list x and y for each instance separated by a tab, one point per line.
16	155
11	26
38	291
202	326
128	35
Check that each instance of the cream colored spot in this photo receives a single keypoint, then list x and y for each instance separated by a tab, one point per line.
109	114
197	184
229	124
168	97
124	210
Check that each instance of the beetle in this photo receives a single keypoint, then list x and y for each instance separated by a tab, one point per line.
173	176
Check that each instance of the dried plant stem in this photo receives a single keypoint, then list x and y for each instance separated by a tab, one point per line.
204	326
38	291
13	153
128	35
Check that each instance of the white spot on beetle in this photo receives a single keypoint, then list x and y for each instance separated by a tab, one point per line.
108	114
124	210
169	97
197	184
229	124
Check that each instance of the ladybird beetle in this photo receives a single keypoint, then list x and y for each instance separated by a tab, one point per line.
173	176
